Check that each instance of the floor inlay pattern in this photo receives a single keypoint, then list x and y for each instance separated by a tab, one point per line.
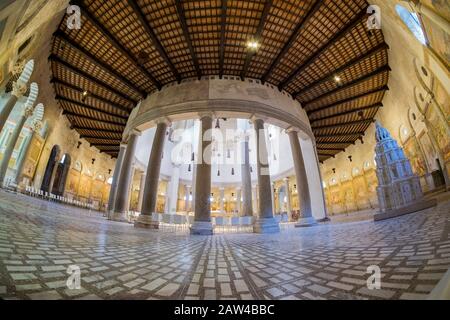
40	240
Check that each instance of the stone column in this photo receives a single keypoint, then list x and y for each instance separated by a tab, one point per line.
173	190
115	181
152	179
141	192
288	198
247	209
19	89
265	222
122	194
187	200
37	126
272	190
255	199
202	222
130	191
306	219
28	112
221	201
238	201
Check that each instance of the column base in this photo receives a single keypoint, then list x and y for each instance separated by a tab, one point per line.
118	216
266	225
306	222
146	222
202	228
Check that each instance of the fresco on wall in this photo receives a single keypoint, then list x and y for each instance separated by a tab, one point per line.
415	156
361	194
440	131
348	196
443	100
72	181
439	39
32	157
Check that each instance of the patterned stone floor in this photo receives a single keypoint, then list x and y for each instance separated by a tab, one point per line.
39	241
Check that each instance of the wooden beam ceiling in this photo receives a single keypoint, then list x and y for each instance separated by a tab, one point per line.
223	20
155	41
344	124
257	37
85	13
83	105
83	117
187	36
335	115
295	33
335	39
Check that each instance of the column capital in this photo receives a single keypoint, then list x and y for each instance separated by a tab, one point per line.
19	88
123	145
206	114
163	120
286	180
255	118
291	130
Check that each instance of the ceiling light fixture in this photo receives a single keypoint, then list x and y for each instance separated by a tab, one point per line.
253	45
337	79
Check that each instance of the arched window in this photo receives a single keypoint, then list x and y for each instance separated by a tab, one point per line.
412	21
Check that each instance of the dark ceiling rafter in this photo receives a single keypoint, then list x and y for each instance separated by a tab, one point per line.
347	100
295	33
90	136
350	64
105	147
335	39
113	41
83	105
83	117
187	37
339	135
326	155
350	84
343	124
335	115
257	36
331	149
155	41
91	94
223	20
96	129
62	36
85	75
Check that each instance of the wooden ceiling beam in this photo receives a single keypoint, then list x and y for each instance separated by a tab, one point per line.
344	124
376	105
337	135
85	75
335	39
82	105
332	149
105	147
119	47
83	117
90	136
330	76
96	129
257	37
350	84
91	94
63	37
223	21
155	41
363	95
326	155
300	26
187	36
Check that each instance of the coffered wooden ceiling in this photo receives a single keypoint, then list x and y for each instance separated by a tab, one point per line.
127	49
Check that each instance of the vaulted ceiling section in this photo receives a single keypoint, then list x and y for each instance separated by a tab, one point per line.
126	49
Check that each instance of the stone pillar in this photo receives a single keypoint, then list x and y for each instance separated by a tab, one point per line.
265	222
272	190
306	219
238	201
12	143
247	209
152	179
288	198
37	126
141	192
122	194
115	181
19	89
202	223
255	199
173	190
221	200
187	200
130	191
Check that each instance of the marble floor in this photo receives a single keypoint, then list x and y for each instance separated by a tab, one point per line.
40	240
